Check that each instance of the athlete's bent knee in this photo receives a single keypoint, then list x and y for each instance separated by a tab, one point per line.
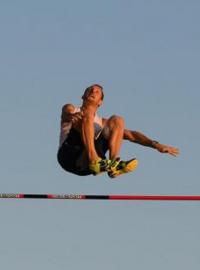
117	121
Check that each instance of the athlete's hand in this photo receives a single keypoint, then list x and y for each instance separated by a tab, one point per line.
76	119
162	148
72	117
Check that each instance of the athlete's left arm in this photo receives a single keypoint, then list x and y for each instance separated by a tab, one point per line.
138	137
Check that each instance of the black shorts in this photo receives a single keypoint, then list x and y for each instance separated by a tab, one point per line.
72	152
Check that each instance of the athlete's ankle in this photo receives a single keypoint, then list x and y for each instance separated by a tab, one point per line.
94	160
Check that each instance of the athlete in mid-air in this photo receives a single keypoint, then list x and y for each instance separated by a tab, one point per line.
85	138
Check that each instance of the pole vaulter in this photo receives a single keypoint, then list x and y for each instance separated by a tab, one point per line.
84	140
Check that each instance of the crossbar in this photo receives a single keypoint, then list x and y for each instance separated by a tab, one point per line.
101	197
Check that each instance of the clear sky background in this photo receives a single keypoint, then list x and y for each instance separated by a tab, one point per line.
146	54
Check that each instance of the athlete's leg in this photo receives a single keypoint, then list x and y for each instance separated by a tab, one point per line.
113	132
87	133
96	163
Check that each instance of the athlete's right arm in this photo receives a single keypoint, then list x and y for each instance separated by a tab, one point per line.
69	115
67	111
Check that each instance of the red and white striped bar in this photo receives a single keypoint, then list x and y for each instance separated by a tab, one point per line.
102	197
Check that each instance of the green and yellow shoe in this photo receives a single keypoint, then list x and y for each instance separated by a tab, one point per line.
99	166
118	167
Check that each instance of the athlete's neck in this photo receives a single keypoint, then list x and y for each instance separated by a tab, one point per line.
89	107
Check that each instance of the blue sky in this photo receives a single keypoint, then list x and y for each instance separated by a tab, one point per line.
146	55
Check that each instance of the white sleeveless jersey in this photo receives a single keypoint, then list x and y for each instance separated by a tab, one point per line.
66	127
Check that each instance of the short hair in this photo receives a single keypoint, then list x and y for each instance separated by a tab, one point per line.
97	85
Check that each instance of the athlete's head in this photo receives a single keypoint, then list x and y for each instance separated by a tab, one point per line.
94	94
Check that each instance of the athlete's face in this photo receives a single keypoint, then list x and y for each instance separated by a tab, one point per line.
93	95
